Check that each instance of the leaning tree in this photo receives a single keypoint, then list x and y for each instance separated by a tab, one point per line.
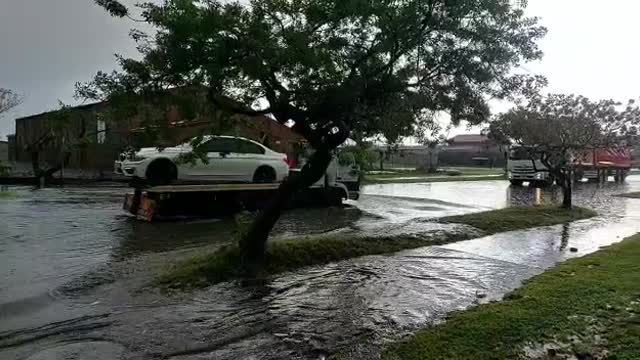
329	68
556	129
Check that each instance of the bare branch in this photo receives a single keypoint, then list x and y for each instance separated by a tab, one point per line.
114	7
8	100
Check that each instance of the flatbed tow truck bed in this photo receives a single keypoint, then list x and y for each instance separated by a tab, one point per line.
175	202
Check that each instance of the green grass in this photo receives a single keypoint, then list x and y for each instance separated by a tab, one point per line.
588	306
430	179
448	174
520	217
633	195
290	254
7	194
476	170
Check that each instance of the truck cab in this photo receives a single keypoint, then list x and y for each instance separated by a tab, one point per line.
523	166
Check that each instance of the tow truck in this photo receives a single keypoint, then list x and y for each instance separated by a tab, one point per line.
188	201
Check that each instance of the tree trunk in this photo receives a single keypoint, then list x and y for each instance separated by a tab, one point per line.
35	165
43	176
253	244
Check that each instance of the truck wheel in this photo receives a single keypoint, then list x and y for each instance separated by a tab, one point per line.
161	172
516	182
264	175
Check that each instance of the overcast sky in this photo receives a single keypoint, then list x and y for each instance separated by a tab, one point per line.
48	45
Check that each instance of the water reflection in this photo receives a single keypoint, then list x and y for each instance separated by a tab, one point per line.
564	236
135	237
520	195
585	194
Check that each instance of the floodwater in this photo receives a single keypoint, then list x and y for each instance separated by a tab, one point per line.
75	273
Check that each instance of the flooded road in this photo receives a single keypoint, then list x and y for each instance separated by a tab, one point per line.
75	272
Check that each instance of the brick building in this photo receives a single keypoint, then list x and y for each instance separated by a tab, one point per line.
99	141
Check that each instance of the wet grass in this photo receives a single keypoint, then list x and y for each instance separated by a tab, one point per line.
7	194
585	308
290	254
520	217
429	179
448	174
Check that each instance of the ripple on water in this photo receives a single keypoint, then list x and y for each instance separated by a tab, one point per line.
81	350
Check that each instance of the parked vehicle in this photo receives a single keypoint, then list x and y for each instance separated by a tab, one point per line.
230	159
522	168
344	172
592	164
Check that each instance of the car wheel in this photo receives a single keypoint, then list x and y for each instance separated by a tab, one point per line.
161	172
264	175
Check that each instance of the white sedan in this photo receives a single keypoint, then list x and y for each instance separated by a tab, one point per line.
230	159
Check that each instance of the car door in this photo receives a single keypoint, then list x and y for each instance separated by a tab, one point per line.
214	169
246	157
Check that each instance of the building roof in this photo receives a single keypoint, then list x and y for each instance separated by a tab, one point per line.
78	107
469	138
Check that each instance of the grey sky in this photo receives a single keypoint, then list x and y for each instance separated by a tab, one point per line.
48	45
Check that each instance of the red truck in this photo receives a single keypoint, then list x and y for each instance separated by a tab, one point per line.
603	162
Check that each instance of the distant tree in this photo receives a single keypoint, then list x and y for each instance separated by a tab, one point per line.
333	68
555	128
8	100
430	133
363	155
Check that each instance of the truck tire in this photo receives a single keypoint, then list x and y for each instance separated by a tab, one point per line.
161	172
516	182
621	176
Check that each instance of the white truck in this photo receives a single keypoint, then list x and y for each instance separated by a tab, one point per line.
521	168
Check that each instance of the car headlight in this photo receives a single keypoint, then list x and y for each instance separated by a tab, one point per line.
538	176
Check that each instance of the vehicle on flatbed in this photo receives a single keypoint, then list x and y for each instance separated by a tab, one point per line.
230	159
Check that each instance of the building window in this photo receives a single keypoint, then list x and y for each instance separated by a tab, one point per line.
101	128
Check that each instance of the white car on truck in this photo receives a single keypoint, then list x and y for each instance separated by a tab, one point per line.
230	159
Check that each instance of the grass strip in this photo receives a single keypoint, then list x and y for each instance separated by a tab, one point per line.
632	195
7	194
519	217
585	308
290	254
369	179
